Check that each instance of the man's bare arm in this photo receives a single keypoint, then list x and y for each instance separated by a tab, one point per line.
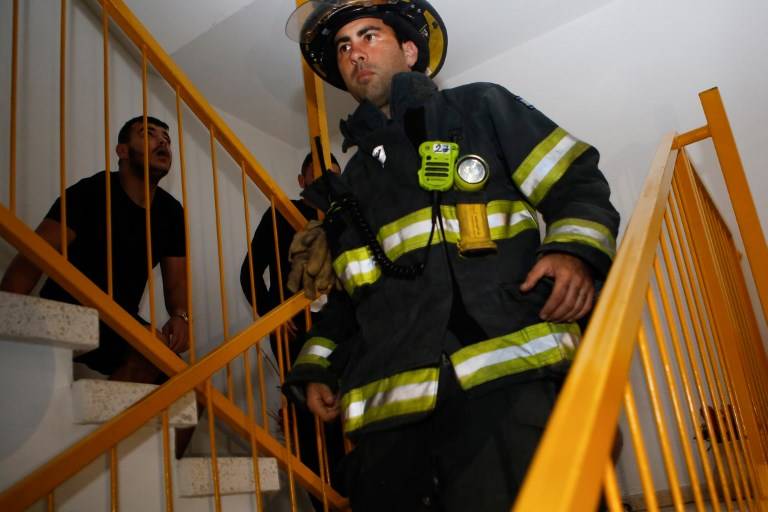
174	270
22	275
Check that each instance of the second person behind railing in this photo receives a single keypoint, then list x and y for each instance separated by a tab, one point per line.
86	240
263	253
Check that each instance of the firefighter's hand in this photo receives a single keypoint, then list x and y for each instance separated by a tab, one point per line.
322	401
574	289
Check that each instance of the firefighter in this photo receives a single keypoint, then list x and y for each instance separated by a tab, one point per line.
450	322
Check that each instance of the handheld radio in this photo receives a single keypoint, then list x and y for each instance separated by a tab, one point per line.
441	170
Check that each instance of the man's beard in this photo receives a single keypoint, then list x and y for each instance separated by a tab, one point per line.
136	164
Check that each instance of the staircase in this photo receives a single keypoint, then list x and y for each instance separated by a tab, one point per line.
44	411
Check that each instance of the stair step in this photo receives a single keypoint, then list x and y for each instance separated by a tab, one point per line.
49	322
97	401
235	475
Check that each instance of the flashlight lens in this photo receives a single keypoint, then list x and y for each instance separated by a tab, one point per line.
472	170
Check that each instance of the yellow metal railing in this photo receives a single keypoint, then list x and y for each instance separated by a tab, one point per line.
677	297
247	423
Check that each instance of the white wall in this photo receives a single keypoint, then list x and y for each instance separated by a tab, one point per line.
629	72
38	150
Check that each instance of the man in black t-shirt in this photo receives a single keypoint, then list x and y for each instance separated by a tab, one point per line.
87	247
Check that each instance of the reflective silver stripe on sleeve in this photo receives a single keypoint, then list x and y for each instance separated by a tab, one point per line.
547	163
319	351
582	231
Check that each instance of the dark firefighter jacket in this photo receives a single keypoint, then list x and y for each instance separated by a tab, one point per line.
382	341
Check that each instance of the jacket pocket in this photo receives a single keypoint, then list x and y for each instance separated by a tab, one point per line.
524	307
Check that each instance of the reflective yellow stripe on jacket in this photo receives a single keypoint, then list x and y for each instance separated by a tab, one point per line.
584	232
405	393
535	346
357	267
316	350
415	391
546	164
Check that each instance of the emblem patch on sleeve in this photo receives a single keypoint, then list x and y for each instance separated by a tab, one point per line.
525	102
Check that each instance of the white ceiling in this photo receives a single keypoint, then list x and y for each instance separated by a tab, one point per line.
237	54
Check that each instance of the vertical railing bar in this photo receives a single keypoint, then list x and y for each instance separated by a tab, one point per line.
658	414
670	378
277	250
646	479
262	385
114	488
212	440
167	478
718	361
252	436
187	232
107	173
704	459
50	503
284	412
254	306
63	128
13	100
147	197
222	284
703	309
742	455
283	350
321	461
325	455
251	277
325	475
611	486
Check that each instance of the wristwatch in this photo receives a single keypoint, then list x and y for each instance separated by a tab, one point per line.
182	314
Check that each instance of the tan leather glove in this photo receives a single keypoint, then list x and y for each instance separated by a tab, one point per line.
311	263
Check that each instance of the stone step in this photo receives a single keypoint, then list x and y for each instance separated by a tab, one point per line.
42	321
97	401
235	475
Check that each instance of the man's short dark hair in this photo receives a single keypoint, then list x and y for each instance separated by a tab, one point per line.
125	132
308	160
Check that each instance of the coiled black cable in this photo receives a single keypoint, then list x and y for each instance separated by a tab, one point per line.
388	267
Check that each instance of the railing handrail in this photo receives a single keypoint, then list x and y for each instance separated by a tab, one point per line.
59	469
601	365
164	64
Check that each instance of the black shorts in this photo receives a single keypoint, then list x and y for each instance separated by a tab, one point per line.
112	352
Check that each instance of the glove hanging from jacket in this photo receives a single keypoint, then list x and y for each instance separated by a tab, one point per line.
311	263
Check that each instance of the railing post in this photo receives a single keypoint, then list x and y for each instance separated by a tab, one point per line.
738	189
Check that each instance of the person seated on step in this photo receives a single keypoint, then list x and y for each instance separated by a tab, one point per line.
86	229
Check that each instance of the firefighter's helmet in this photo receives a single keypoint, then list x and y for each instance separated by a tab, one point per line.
314	25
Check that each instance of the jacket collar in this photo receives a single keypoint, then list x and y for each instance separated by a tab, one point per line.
409	90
